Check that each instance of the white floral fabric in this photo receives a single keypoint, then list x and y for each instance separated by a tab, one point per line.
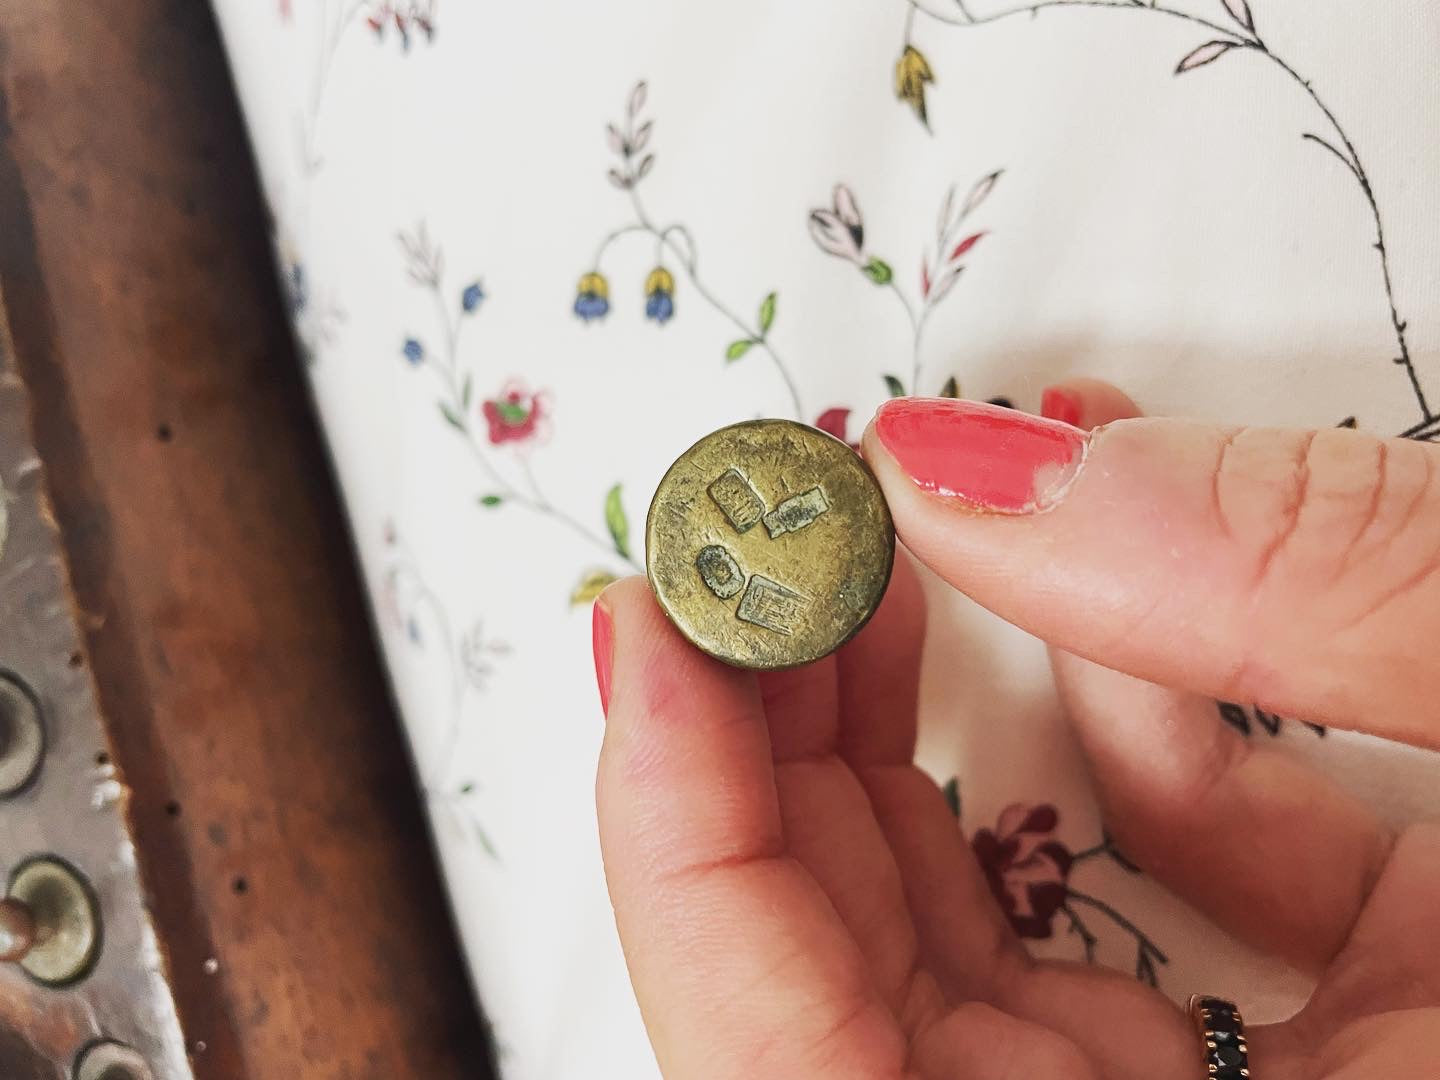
533	251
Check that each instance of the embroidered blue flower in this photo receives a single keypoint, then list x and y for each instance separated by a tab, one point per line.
660	306
592	296
414	351
297	289
472	296
660	296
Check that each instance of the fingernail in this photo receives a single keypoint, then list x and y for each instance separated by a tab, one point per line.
1057	403
602	632
1000	460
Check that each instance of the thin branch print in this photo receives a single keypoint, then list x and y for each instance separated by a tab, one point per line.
1029	872
673	243
1240	719
408	604
1147	953
1108	849
407	19
334	21
1077	926
313	314
515	418
839	230
1237	35
962	16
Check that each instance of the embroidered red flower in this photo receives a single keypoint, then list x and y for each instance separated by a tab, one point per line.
516	415
1027	868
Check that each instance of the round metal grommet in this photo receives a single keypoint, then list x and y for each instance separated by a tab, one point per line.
108	1060
66	917
22	735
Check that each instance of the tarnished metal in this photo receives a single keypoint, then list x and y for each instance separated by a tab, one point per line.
17	931
22	733
123	993
796	587
65	917
106	1060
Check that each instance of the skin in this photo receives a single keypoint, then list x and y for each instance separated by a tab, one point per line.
791	891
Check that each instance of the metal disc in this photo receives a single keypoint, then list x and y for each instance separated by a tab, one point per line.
67	920
111	1061
769	544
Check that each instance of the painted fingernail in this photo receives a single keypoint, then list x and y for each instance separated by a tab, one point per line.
999	460
1057	403
602	632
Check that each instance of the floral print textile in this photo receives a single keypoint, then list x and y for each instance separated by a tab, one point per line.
534	251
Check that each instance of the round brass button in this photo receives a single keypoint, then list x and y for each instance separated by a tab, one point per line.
769	544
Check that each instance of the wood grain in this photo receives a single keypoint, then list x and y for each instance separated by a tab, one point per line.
276	815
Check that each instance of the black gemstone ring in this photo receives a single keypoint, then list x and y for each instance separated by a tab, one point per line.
1223	1031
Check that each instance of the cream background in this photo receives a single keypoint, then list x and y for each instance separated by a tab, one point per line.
1174	235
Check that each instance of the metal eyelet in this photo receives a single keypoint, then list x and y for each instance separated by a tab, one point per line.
64	921
22	735
107	1060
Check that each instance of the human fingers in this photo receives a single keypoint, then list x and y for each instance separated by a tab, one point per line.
1298	570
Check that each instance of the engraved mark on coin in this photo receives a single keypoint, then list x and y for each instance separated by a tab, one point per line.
738	501
796	512
720	571
771	605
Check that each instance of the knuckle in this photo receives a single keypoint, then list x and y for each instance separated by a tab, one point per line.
1262	482
1310	507
1340	532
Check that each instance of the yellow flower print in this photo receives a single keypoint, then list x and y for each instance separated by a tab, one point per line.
911	75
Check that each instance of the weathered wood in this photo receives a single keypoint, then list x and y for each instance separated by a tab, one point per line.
278	824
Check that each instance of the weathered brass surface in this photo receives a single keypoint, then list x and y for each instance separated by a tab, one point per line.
769	544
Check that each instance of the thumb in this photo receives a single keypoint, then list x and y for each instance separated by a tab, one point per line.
1298	570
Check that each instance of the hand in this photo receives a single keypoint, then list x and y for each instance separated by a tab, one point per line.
792	893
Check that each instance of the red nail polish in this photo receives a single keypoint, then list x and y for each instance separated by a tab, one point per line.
1057	403
988	457
602	633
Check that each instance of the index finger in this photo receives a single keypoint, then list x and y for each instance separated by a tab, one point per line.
739	961
1296	570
